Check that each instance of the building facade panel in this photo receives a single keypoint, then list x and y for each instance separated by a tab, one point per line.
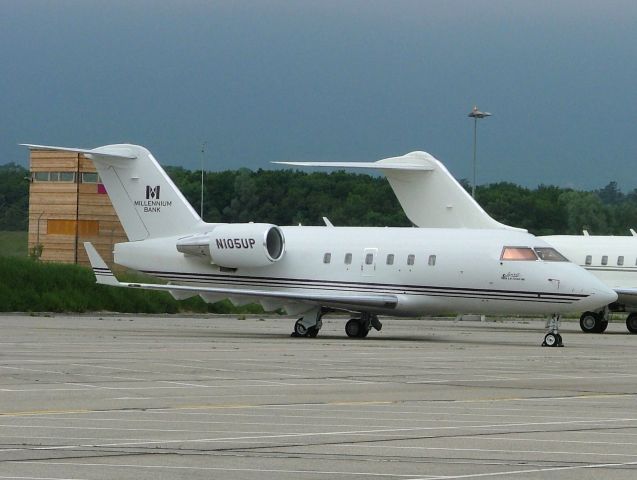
68	206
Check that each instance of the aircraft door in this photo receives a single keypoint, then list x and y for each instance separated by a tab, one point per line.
368	267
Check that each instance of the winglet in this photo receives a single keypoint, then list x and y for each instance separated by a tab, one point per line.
103	274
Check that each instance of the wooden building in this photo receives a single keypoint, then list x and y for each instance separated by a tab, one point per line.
68	206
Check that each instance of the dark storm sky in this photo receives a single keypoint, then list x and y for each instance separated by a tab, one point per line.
330	80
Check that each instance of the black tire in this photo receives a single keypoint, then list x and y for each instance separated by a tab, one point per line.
631	322
603	326
590	322
353	328
300	329
550	340
559	340
312	332
363	333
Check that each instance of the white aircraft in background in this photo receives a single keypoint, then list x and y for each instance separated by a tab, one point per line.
310	271
612	259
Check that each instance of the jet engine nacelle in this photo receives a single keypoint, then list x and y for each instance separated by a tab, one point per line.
237	245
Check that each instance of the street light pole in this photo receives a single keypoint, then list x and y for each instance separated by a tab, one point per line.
203	154
475	114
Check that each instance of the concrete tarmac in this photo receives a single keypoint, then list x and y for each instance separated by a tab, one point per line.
129	397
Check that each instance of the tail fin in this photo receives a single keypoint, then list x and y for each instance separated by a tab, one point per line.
428	193
146	200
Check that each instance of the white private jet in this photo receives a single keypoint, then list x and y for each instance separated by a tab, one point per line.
612	259
310	271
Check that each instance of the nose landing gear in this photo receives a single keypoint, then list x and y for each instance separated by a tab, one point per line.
553	337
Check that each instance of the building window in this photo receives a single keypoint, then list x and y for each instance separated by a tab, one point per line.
390	259
54	177
348	259
620	260
327	258
432	260
88	177
369	259
604	259
411	259
67	227
589	260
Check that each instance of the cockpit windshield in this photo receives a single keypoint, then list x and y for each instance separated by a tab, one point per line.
518	253
549	254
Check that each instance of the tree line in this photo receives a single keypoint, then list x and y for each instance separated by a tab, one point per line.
289	197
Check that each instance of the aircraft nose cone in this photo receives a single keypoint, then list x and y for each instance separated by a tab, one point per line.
601	295
608	295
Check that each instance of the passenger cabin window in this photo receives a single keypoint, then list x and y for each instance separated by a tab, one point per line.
411	259
620	260
348	259
550	254
369	259
605	260
518	253
327	258
390	259
588	260
432	260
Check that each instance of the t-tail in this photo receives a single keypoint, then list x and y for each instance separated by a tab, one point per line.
147	202
428	193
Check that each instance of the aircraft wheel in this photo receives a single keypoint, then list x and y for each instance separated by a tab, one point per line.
603	326
590	322
353	327
550	340
299	329
559	340
363	333
312	332
631	323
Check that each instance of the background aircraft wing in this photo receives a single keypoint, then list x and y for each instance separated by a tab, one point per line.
632	292
105	276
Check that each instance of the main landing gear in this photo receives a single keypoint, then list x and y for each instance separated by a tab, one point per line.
309	324
595	322
360	327
631	322
553	337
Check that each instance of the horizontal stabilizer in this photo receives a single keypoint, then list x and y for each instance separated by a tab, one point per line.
124	155
368	165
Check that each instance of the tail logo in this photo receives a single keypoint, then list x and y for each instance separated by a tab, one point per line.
153	204
152	193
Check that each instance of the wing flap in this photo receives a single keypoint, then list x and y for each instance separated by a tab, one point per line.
104	276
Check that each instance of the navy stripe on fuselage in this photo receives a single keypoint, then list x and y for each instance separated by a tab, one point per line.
424	290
